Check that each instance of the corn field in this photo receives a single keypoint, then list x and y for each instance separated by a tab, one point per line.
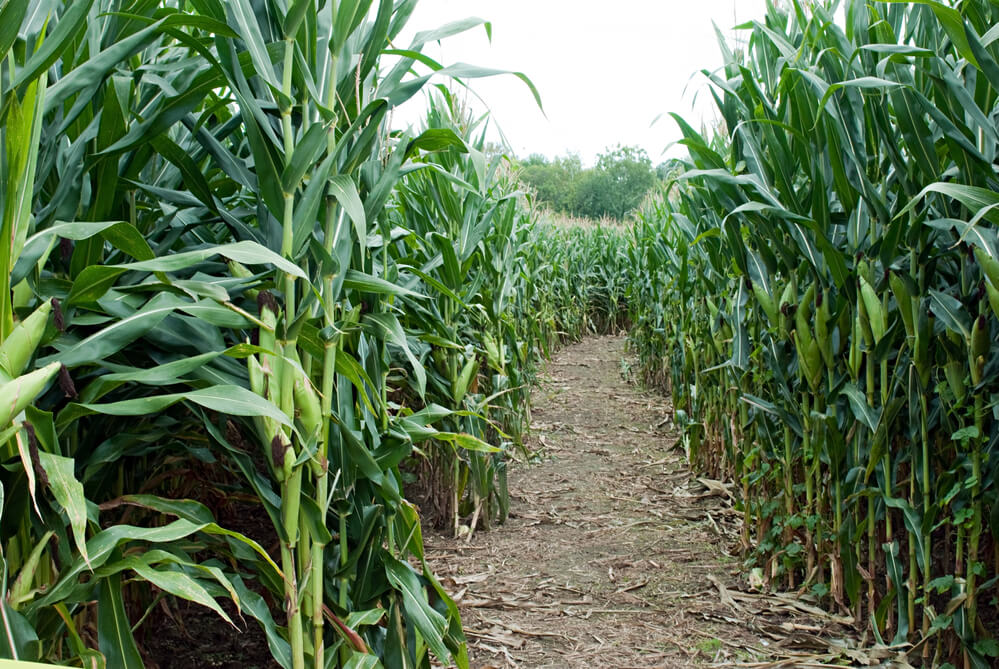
253	338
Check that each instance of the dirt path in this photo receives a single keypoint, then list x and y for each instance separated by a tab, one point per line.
614	556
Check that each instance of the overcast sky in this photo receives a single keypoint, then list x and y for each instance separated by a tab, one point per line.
605	70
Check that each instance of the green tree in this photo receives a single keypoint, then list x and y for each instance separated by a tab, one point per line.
555	181
616	185
594	194
629	174
613	187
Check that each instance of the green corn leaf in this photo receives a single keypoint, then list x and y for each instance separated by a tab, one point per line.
12	13
102	546
246	252
343	189
180	585
17	636
92	284
245	23
951	313
357	619
69	24
232	400
188	509
307	152
308	205
114	630
68	492
113	338
431	624
254	604
973	197
120	234
365	283
468	442
386	326
315	523
360	661
97	67
953	23
436	139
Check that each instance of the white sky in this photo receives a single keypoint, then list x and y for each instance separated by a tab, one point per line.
605	69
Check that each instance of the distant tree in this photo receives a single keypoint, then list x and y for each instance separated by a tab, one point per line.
594	194
631	176
613	187
554	182
616	185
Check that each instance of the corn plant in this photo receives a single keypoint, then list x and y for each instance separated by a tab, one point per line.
20	557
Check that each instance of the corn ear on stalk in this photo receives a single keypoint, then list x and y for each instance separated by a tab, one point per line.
468	372
904	300
766	303
267	428
17	349
856	356
307	407
809	353
822	335
875	312
786	304
17	394
978	349
954	371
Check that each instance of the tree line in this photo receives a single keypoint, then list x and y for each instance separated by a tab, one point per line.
613	187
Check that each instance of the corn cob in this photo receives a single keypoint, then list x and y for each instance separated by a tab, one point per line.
904	300
469	370
822	328
271	364
307	407
17	349
809	354
954	371
767	303
786	304
492	351
17	394
875	312
978	348
856	357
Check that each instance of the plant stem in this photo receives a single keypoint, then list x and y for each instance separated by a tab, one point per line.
976	513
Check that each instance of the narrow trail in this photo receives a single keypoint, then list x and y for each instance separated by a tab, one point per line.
614	554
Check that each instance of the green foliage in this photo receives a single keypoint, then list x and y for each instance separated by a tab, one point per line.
554	183
613	188
211	192
627	177
816	288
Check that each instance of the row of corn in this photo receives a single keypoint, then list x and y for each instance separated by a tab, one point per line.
819	292
276	321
